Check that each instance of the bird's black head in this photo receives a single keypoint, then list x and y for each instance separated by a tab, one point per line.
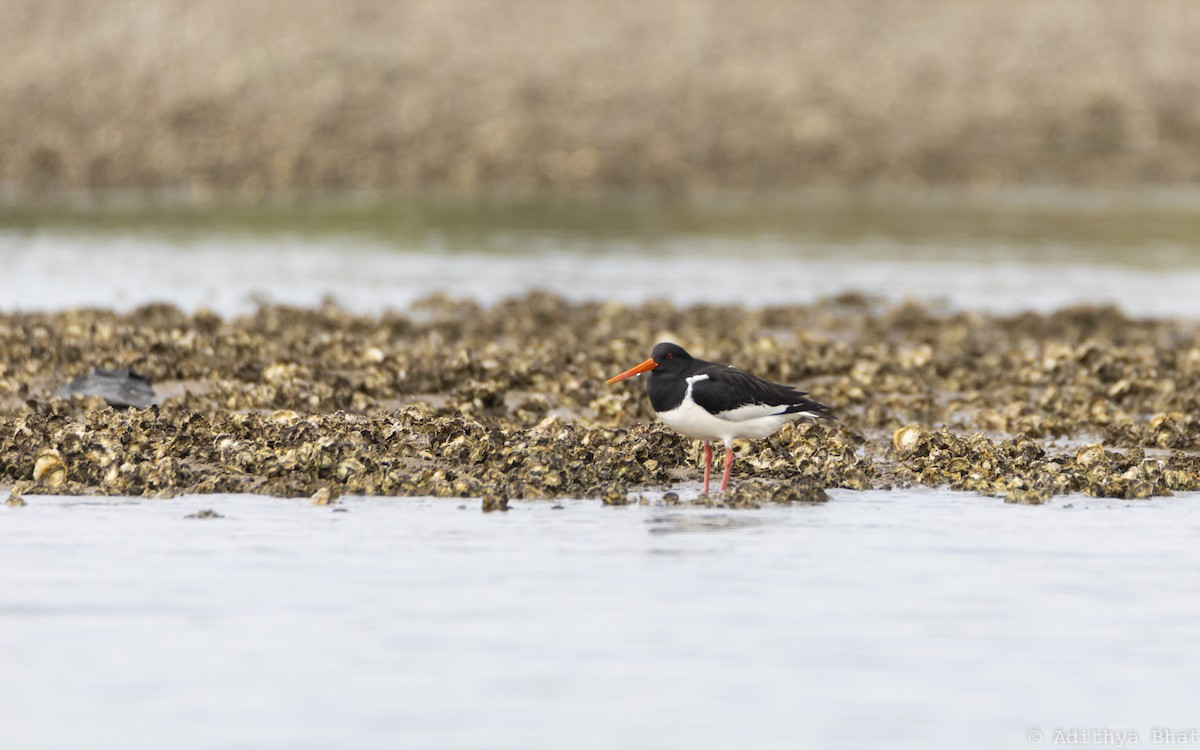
665	359
670	357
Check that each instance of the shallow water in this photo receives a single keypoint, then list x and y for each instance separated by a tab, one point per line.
1006	252
922	619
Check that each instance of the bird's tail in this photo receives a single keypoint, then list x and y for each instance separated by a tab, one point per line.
811	409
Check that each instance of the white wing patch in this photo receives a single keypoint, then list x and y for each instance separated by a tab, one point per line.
751	411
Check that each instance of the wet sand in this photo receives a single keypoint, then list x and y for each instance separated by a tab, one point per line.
302	96
452	398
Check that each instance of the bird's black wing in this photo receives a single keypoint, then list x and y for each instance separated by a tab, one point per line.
738	395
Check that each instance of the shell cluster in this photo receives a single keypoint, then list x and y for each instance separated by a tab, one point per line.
453	399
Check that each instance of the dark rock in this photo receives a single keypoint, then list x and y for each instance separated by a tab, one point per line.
119	388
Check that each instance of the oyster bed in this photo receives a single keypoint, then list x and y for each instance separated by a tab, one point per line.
450	398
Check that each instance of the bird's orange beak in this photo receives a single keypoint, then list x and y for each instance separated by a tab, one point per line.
649	364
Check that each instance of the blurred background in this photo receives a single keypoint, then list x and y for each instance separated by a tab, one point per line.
1008	155
277	97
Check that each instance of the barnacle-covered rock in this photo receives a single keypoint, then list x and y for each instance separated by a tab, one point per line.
204	514
325	496
452	399
1090	456
1024	492
50	469
617	494
493	501
755	492
907	439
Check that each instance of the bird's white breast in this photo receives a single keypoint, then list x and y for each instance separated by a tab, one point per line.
749	421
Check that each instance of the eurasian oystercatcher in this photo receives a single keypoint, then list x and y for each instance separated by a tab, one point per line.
711	402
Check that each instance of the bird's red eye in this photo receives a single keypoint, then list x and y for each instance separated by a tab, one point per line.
670	354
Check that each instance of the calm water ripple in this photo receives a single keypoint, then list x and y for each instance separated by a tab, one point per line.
920	619
1041	252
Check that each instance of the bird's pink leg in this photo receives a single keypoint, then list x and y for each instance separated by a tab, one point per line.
728	466
707	465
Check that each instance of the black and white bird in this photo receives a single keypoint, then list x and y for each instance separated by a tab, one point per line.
712	402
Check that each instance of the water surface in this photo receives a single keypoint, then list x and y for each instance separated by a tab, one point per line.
1002	252
922	619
